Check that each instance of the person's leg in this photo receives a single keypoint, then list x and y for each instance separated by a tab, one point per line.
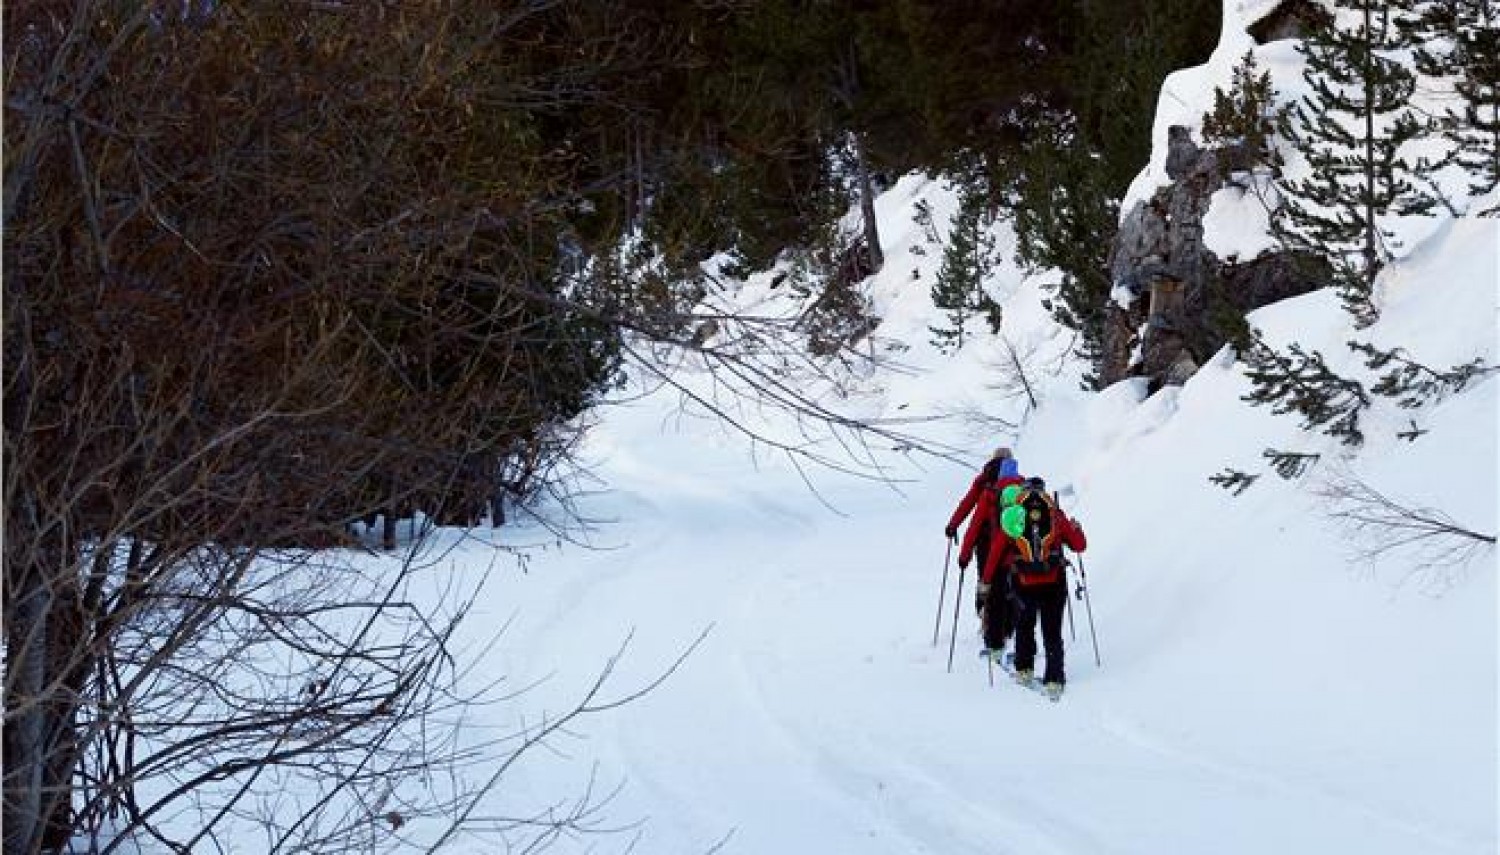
981	560
1026	634
1051	606
1003	602
995	616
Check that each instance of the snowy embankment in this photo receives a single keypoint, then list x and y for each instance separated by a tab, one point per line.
1262	689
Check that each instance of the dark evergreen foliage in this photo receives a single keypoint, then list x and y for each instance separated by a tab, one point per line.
1302	383
1350	130
922	217
1459	40
1246	118
1065	218
1066	161
1413	433
1234	480
739	160
1290	464
1414	383
968	259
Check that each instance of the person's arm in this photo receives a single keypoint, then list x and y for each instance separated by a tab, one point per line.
986	505
1072	534
965	505
1001	553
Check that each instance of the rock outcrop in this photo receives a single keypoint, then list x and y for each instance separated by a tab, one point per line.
1175	301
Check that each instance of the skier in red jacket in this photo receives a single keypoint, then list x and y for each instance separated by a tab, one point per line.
981	500
1035	563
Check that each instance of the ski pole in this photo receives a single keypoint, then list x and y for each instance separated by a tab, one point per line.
937	624
1083	591
958	597
1088	605
1072	630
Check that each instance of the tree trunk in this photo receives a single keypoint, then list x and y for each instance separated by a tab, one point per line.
867	209
46	669
1371	269
25	718
67	670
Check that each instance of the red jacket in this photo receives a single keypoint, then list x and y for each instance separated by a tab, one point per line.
1003	550
984	513
970	499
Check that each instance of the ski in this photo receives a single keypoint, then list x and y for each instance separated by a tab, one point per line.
1032	683
1053	692
1006	662
1007	666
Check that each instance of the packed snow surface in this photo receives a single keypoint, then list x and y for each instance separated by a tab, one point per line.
1269	679
1270	682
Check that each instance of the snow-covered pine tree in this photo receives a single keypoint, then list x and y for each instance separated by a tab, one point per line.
1350	128
968	259
1459	41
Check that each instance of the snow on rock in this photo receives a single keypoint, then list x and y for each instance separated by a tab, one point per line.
1237	224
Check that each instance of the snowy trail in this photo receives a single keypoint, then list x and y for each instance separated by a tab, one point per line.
818	716
1261	691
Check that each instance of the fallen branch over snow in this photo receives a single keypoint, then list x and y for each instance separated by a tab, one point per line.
1381	525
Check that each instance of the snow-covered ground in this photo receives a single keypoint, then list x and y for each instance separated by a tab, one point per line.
1270	682
1266	686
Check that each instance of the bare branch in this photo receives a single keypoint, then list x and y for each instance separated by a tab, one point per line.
1432	544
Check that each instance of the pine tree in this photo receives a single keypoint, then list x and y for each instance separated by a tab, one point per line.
1459	40
1246	116
1412	382
1065	217
1302	383
1290	465
968	259
1350	129
1234	479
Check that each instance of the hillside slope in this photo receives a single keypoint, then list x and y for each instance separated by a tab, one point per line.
1271	681
1262	689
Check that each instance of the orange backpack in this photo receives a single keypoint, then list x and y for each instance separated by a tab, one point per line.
1039	545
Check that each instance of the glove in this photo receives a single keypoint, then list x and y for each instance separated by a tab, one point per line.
963	562
951	532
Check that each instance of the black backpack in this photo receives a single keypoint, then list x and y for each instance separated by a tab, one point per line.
1039	544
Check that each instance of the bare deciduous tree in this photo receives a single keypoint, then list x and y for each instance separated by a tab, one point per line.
1011	380
271	269
1433	545
268	269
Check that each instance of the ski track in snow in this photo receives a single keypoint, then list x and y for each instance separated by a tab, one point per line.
767	735
888	813
1245	703
886	803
